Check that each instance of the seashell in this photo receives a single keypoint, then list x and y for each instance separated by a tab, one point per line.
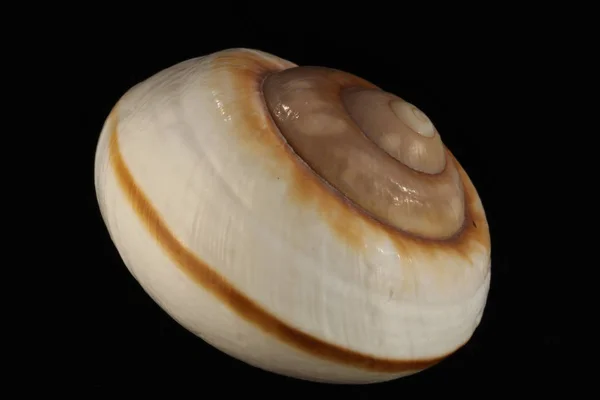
299	219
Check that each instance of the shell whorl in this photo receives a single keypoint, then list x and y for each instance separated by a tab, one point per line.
380	152
237	231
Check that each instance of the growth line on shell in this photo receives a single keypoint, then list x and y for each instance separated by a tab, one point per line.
236	300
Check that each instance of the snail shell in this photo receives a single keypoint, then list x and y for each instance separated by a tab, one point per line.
297	218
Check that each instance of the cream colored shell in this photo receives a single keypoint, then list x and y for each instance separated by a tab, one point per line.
233	237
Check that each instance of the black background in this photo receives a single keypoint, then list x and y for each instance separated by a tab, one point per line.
467	87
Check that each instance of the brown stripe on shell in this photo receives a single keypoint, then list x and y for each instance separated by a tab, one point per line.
243	306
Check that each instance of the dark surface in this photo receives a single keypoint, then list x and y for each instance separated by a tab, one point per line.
123	339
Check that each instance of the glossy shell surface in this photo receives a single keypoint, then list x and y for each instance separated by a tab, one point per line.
243	245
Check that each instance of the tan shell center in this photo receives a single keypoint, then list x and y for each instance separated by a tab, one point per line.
371	146
413	117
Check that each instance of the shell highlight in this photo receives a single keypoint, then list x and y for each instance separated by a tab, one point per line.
243	245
